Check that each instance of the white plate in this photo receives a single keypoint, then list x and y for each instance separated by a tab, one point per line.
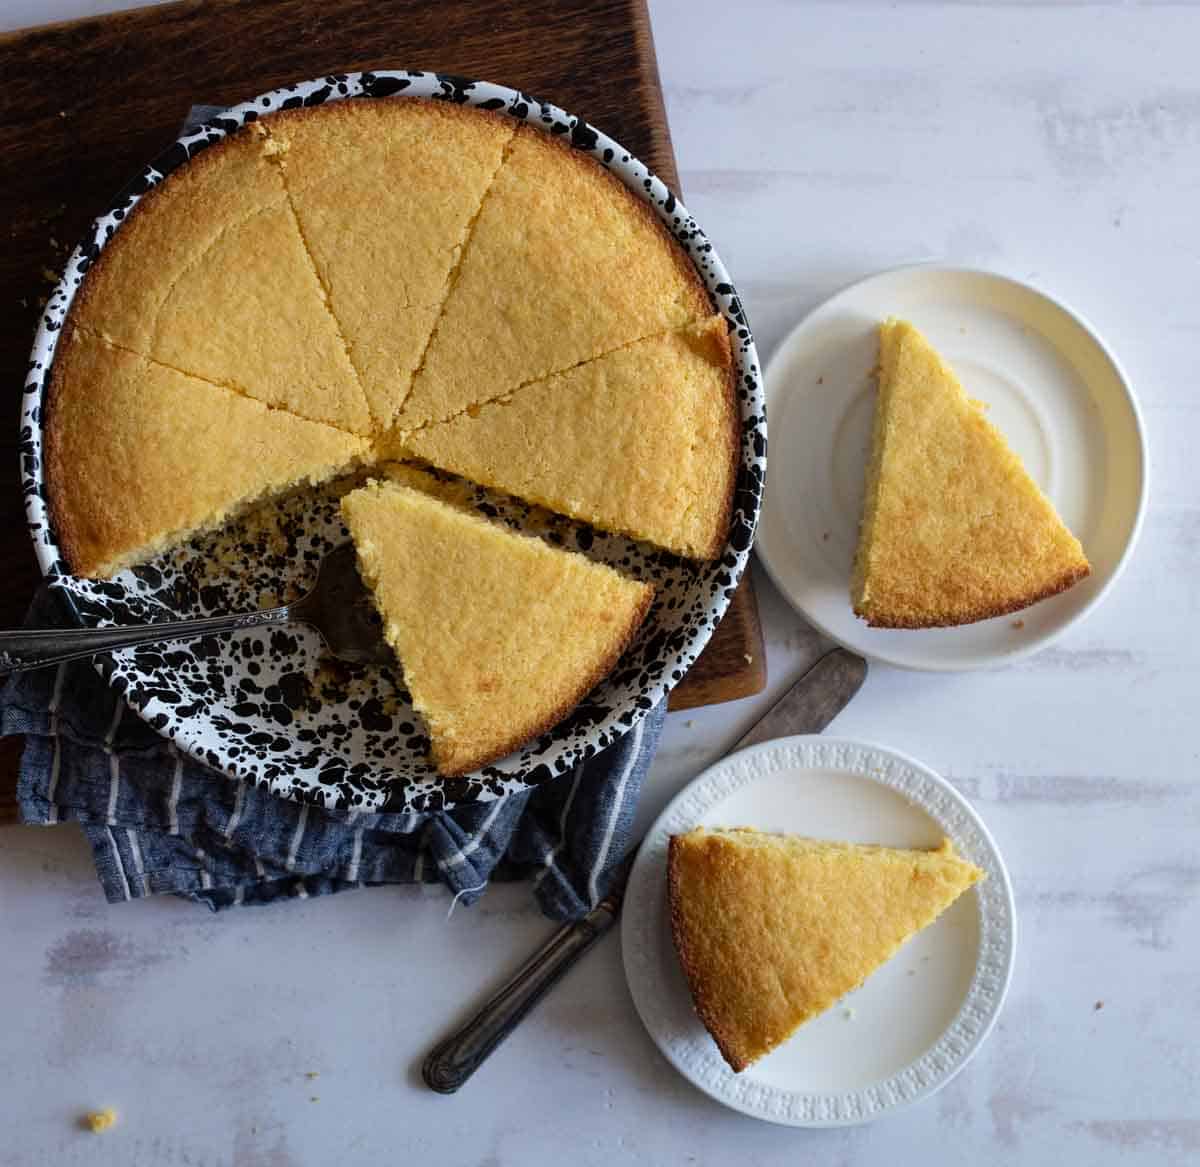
1055	391
918	1020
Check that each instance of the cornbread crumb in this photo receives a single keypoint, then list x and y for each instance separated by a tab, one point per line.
772	930
1018	624
100	1120
312	1074
747	658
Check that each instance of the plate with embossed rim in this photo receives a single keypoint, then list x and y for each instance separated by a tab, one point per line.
917	1020
267	707
1055	390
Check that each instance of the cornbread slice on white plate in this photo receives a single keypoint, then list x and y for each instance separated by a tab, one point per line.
642	441
772	930
774	924
954	529
499	635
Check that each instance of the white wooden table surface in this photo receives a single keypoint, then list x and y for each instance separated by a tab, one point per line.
817	143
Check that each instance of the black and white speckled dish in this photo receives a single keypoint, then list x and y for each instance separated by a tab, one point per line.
269	707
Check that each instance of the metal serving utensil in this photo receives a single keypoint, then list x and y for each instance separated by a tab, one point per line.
807	707
339	607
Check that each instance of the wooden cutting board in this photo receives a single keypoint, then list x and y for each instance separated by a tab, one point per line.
84	104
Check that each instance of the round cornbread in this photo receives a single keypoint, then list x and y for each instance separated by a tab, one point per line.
375	269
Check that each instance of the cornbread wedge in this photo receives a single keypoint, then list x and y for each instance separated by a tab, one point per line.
499	635
146	451
384	220
771	930
563	265
953	530
211	276
661	409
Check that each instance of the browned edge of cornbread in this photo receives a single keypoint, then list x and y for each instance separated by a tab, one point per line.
985	611
697	985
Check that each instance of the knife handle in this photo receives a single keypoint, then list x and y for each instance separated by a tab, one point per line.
453	1061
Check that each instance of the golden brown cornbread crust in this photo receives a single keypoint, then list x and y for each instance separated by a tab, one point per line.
258	178
564	265
637	207
771	930
971	614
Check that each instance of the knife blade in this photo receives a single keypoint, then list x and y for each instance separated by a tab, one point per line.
808	706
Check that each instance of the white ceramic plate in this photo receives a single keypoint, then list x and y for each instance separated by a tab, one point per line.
1055	391
918	1020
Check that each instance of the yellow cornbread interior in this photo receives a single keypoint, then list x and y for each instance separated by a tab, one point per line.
953	530
197	265
563	265
385	194
319	264
653	409
128	447
499	635
771	930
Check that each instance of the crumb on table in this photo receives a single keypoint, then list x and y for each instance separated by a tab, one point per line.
1018	624
1098	1006
100	1120
311	1074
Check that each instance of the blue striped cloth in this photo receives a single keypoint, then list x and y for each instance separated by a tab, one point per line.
159	822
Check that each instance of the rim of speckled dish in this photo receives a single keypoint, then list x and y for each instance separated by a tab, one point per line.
391	791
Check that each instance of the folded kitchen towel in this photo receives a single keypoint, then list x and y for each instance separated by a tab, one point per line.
158	821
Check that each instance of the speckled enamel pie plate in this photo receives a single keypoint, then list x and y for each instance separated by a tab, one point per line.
917	1020
1051	385
269	708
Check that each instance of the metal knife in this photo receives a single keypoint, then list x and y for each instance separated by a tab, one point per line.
807	707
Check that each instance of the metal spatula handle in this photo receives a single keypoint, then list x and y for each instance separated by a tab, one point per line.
35	648
450	1064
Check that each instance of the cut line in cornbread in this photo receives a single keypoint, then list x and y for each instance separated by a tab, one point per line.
211	276
772	930
563	264
146	450
642	441
954	529
385	193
